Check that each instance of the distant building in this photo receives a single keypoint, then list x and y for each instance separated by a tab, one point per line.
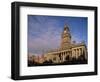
68	50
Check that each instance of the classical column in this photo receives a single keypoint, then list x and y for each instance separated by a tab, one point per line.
86	54
79	51
63	56
75	53
56	58
72	53
60	57
82	51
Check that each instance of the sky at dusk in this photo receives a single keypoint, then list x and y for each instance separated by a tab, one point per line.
44	32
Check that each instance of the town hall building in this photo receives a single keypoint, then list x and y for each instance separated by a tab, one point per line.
68	50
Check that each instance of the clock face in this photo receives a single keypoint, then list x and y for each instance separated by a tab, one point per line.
65	31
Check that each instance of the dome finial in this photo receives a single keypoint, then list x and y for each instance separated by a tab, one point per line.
66	27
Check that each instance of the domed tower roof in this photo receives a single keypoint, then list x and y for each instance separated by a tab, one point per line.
66	28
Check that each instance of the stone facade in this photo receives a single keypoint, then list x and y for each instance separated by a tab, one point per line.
68	50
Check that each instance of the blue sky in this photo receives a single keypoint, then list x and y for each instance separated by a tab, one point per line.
44	32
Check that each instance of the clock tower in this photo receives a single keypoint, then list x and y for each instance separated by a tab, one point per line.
65	37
